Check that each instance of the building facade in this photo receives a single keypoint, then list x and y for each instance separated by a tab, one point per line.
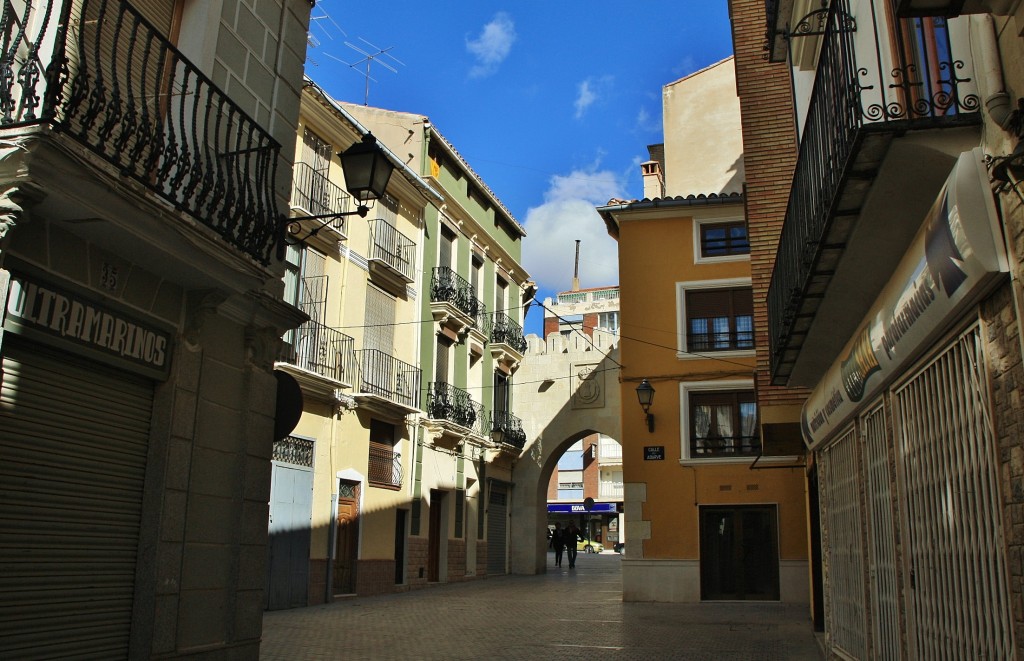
146	159
712	511
893	300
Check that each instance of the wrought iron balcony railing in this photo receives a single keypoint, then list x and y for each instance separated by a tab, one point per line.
446	402
510	426
720	446
317	194
447	286
724	341
483	320
385	466
385	376
392	247
875	74
320	349
482	423
99	72
507	331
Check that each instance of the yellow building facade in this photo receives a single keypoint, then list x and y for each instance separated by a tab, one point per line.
709	515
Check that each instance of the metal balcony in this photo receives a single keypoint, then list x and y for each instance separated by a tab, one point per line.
97	71
511	428
446	402
321	350
388	378
392	255
447	286
508	332
384	467
877	80
317	195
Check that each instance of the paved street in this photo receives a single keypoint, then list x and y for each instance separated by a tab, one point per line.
563	614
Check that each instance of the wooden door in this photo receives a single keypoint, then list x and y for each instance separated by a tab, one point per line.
346	540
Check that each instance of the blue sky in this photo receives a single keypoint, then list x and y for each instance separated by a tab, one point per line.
552	103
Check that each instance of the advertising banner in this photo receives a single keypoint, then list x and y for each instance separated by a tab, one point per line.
952	258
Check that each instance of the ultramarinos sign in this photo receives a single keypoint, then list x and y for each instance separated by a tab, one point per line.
951	259
70	321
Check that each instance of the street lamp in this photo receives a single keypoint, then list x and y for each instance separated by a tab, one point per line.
645	393
367	169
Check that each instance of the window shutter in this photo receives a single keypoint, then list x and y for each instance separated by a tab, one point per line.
380	320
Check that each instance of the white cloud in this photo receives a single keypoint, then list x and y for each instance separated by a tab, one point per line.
568	214
589	92
492	46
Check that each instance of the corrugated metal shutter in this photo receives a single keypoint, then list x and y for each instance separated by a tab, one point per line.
497	522
73	444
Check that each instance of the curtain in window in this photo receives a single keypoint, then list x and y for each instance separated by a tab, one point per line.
701	422
744	332
699	334
723	417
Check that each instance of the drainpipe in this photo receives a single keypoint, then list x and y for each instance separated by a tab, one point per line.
997	101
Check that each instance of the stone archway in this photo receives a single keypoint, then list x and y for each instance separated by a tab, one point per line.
570	389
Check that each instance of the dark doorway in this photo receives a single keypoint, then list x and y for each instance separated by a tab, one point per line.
817	580
434	536
347	539
739	557
400	547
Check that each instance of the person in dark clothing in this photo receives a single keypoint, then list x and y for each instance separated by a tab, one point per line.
572	535
558	543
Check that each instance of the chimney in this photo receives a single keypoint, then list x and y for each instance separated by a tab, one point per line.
576	270
654	182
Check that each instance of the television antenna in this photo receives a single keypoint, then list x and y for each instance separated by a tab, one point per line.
324	24
377	55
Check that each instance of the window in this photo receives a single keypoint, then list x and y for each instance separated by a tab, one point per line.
608	321
719	319
385	464
723	424
723	239
570	323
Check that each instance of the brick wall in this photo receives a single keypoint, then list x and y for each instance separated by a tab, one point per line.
769	157
416	570
550	325
375	577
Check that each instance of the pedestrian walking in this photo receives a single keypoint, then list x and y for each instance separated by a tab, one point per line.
558	543
572	536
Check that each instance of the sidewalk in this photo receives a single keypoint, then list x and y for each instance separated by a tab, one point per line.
577	614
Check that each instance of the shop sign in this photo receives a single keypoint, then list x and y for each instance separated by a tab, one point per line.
74	322
950	262
580	508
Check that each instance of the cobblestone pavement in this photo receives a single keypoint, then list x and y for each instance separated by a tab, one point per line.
564	614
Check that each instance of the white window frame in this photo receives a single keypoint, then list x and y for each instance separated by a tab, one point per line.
698	258
682	327
686	388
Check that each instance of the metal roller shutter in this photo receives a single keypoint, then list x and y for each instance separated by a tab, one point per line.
73	444
497	516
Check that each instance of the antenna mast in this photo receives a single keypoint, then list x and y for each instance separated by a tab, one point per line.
370	58
576	270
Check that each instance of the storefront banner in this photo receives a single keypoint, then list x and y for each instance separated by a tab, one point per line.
82	325
952	258
579	508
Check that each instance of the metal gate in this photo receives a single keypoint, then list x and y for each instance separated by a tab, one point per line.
883	586
841	531
74	436
497	525
958	602
291	513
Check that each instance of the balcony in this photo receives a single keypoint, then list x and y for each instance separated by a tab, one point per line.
507	342
391	256
319	350
453	415
723	447
511	428
388	384
384	467
893	103
146	110
316	195
453	301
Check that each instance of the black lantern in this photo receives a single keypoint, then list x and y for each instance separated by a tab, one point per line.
367	170
645	393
